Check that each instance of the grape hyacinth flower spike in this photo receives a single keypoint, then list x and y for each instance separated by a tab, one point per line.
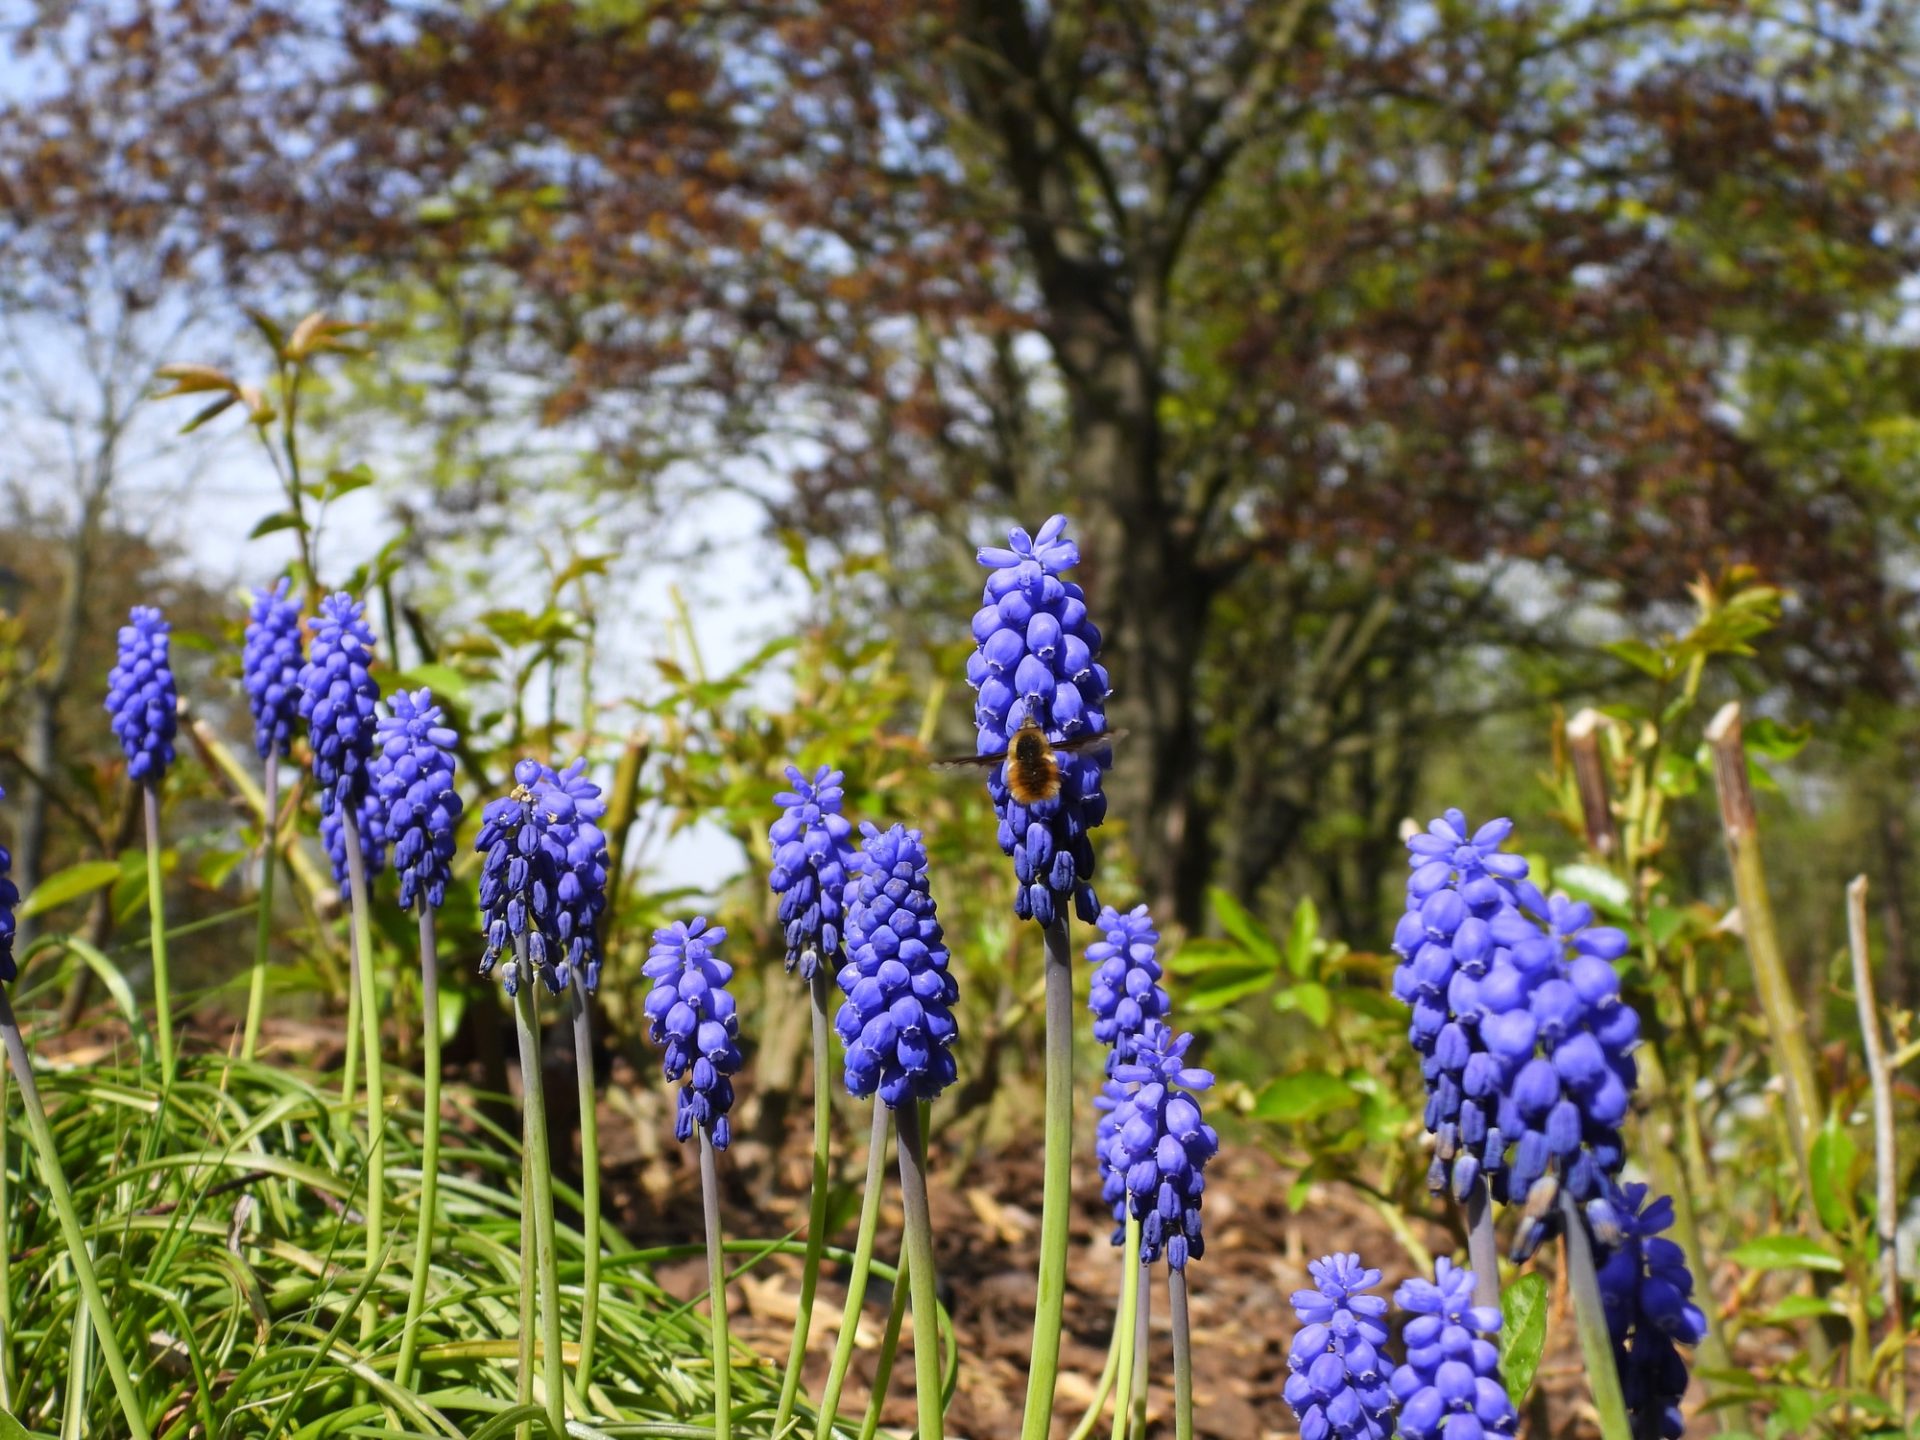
1041	703
418	810
812	856
78	1252
270	663
897	1024
1337	1385
690	1012
1647	1293
1450	1388
1126	993
144	705
338	696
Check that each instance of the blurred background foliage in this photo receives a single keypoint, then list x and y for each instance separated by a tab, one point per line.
1416	374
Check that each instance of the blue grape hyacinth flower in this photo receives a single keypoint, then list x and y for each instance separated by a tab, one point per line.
1038	659
338	695
1126	992
1461	884
1647	1293
897	1019
1554	1020
1450	1388
813	856
691	1013
370	815
413	781
1337	1365
569	804
519	881
1161	1144
141	696
270	661
9	901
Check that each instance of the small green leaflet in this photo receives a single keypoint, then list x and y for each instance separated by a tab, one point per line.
70	884
1523	1335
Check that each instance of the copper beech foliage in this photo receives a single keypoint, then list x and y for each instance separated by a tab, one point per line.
1328	317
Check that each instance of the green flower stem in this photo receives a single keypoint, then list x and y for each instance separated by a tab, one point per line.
529	1269
889	1347
919	1247
533	1108
350	1065
6	1253
62	1198
429	1145
1123	1329
817	1211
1107	1373
582	1008
1056	1202
1590	1317
362	904
263	932
1142	1325
1483	1247
717	1290
1182	1355
857	1281
157	927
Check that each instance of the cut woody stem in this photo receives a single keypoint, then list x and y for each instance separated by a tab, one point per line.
70	1229
817	1210
1885	1141
862	1266
1056	1197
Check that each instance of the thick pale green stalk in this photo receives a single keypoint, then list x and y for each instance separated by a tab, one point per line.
817	1211
857	1281
263	931
1107	1373
533	1110
1483	1246
429	1145
157	927
919	1248
582	1007
1142	1331
1056	1202
350	1065
70	1230
529	1273
362	905
1123	1329
1182	1355
717	1290
889	1347
1590	1318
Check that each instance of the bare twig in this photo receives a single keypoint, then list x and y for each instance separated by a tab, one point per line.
1590	776
1880	1078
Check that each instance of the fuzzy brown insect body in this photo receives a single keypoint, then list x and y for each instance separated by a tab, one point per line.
1031	760
1033	775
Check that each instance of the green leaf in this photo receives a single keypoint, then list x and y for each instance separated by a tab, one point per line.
1295	1099
12	1429
1787	1252
1663	923
1312	1000
1599	887
1199	957
1235	920
1523	1335
284	520
1303	942
1801	1307
1640	655
1832	1161
447	683
1222	987
1768	737
69	884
